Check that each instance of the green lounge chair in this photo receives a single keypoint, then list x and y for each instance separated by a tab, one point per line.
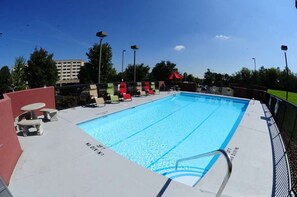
153	87
110	94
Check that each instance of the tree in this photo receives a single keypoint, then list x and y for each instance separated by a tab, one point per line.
18	74
244	76
162	70
142	72
197	80
209	77
261	76
287	81
227	79
41	69
5	79
118	77
272	77
185	75
218	79
89	73
112	75
190	78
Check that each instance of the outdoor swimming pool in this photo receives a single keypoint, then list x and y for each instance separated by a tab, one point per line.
155	135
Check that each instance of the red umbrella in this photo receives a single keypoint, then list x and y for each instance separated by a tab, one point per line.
175	75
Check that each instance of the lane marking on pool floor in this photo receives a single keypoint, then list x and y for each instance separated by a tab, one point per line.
149	126
181	141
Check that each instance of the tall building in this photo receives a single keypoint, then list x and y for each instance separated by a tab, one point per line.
68	70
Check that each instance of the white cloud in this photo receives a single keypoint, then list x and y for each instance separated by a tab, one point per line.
222	37
179	47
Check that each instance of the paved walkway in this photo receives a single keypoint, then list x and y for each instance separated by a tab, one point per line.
62	161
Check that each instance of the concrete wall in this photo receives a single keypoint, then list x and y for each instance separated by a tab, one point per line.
10	107
10	149
25	97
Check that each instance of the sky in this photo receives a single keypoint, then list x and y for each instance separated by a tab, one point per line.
222	35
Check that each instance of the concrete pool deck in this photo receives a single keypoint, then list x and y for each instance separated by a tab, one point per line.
65	161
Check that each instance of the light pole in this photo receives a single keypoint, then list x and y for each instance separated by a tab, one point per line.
285	48
134	47
255	64
123	52
101	35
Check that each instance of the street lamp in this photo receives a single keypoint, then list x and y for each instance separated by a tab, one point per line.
285	48
101	35
123	64
134	47
254	63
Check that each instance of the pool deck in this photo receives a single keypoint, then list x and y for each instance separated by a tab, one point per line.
64	161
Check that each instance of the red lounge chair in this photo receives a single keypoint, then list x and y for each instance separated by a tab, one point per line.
123	92
147	88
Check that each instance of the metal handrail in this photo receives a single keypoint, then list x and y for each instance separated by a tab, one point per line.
228	160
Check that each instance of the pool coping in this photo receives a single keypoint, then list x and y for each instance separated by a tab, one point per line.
64	162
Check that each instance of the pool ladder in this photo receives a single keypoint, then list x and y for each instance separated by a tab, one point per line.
219	151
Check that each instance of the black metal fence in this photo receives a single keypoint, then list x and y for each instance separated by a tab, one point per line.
78	95
285	116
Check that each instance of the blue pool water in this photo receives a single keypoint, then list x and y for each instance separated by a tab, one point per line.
156	134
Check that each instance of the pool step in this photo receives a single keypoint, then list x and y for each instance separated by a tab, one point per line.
186	175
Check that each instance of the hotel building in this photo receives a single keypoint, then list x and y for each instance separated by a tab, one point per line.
68	70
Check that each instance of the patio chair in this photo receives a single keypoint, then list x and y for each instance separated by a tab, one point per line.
153	87
100	101
147	88
112	98
123	92
140	92
94	95
93	91
213	90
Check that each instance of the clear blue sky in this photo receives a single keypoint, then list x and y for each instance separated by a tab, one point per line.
223	35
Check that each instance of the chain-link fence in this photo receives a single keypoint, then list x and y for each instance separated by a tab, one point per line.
285	116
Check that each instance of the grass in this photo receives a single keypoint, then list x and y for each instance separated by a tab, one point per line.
292	96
